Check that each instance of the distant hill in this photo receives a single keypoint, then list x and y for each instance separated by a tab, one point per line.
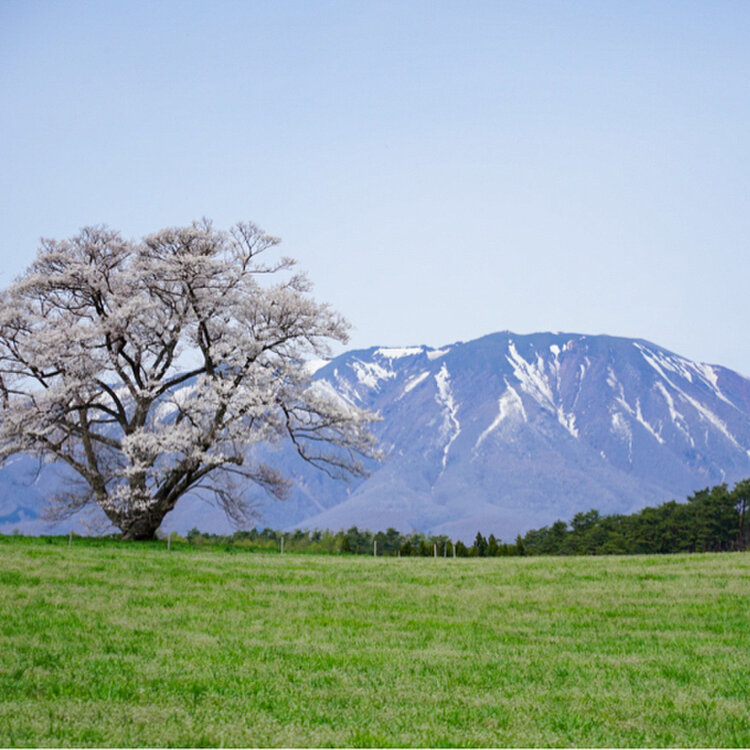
501	434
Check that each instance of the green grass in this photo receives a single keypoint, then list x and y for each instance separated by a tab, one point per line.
125	644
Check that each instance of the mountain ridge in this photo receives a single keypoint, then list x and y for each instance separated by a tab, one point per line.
535	381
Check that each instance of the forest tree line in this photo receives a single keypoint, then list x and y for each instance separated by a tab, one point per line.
711	520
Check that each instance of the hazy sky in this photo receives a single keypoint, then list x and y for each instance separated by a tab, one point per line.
441	169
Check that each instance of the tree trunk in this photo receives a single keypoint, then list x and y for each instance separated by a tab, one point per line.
143	527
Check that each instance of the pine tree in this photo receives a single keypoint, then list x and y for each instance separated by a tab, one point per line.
480	545
492	547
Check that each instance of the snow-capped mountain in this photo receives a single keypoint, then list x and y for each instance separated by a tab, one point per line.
510	432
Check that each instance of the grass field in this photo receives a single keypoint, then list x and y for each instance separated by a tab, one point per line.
128	644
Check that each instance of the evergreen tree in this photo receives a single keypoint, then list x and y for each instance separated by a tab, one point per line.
492	547
480	545
741	495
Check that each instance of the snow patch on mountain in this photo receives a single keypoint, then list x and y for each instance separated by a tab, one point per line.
568	421
533	381
451	425
412	383
662	363
647	425
398	352
437	353
636	413
529	376
509	405
677	418
709	416
371	373
621	428
709	376
677	366
612	381
345	388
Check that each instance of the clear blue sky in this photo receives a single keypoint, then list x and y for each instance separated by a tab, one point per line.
441	169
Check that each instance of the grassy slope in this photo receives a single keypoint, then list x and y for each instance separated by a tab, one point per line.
129	645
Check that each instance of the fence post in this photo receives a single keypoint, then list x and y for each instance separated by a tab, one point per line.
454	550
282	544
374	548
434	548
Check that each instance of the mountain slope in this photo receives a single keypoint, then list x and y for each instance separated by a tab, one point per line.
509	432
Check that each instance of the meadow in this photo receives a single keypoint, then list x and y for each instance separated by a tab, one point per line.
128	644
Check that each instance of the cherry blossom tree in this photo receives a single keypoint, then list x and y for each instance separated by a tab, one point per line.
152	368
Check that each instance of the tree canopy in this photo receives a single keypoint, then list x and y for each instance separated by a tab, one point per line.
712	520
152	367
